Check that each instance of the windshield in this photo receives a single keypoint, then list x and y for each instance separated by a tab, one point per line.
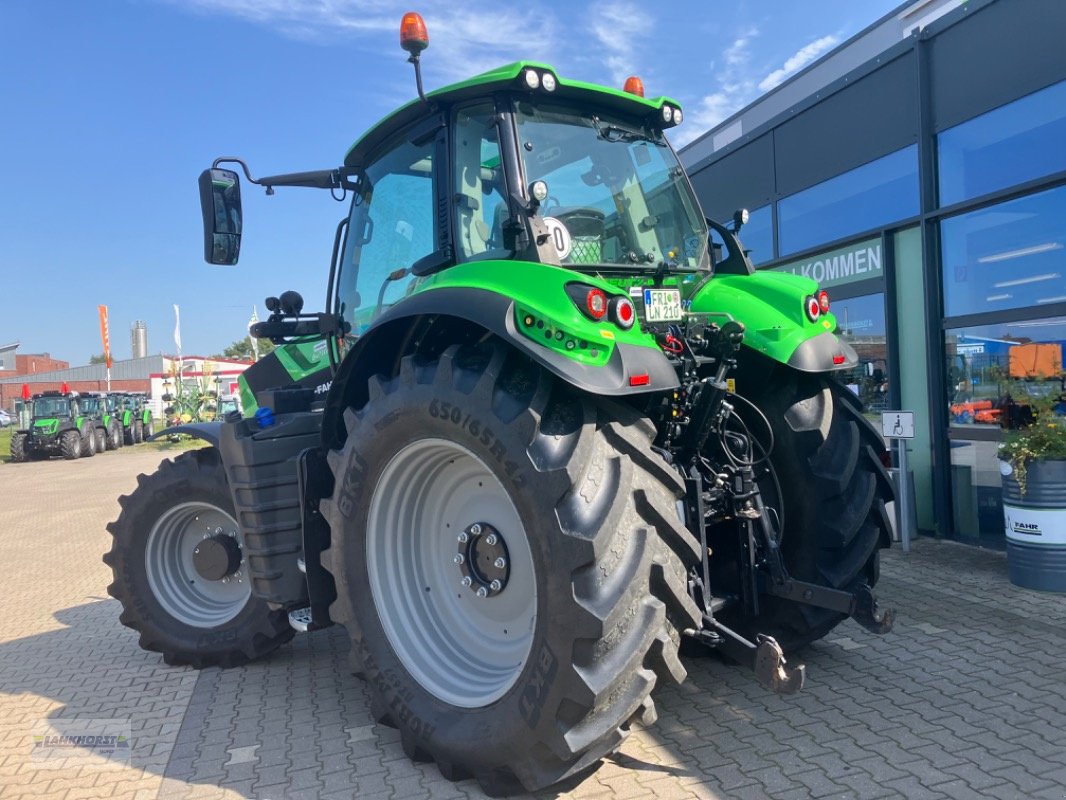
90	405
48	407
617	189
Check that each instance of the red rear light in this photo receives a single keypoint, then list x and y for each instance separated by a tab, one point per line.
823	301
622	312
886	459
838	360
813	308
639	380
596	303
634	85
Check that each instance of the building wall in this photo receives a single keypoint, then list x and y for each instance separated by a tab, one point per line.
943	156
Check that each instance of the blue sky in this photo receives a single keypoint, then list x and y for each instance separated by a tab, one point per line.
112	108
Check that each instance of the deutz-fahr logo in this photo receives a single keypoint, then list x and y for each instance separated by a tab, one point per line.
1029	528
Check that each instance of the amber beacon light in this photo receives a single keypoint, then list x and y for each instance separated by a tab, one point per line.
413	36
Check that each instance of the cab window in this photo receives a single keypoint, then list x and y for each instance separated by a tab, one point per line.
479	188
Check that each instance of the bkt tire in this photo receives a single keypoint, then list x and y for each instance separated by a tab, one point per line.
70	444
827	484
177	561
114	435
510	566
18	448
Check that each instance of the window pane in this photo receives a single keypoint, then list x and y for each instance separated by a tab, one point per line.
1006	256
481	208
861	323
758	235
872	195
994	373
1007	146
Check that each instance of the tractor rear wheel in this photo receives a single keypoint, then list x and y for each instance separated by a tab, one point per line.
825	482
114	435
18	448
88	443
70	444
179	571
510	566
101	440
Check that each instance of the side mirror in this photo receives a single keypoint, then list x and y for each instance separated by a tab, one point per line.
220	202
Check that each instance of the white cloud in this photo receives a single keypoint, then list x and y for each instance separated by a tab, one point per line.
619	26
797	61
735	90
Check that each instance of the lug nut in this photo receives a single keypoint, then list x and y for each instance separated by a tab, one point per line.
466	581
495	586
196	551
500	563
459	558
463	538
490	539
482	591
475	529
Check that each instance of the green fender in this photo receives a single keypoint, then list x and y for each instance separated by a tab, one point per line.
771	305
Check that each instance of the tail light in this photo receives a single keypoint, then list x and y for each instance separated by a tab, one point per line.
596	304
823	301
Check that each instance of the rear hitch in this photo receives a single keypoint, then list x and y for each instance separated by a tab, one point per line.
764	656
868	615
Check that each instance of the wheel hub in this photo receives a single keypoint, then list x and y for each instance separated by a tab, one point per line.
217	557
483	560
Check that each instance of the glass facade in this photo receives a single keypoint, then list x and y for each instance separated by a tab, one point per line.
955	300
870	196
1012	144
758	235
1010	255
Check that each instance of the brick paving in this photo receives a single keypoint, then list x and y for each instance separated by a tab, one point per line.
965	698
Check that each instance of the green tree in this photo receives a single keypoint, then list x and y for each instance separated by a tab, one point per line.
242	349
98	359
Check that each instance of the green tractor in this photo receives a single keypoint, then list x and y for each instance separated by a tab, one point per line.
58	426
105	408
134	415
558	438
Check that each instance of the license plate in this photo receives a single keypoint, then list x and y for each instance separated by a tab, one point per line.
662	305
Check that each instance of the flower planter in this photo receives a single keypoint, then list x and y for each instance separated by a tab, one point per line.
1035	524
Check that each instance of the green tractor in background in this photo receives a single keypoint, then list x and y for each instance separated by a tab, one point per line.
58	426
557	437
134	415
105	408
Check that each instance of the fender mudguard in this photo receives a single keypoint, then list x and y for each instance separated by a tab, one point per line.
771	307
210	432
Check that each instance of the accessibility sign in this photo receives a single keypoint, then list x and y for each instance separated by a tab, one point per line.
897	424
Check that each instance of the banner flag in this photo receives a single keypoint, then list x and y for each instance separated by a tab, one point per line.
177	328
105	335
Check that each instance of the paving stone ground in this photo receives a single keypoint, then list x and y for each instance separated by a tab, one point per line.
965	698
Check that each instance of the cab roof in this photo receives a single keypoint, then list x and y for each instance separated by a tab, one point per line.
507	77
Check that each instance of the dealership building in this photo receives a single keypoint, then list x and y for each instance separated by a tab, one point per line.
918	172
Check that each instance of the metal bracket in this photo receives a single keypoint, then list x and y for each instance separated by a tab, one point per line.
869	615
764	656
860	604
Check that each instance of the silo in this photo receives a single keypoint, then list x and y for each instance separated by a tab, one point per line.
139	339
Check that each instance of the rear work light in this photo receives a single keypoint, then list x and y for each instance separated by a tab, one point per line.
597	305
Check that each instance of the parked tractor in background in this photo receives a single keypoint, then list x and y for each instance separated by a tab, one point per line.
58	426
134	415
105	408
557	437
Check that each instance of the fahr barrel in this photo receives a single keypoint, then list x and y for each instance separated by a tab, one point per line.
1035	522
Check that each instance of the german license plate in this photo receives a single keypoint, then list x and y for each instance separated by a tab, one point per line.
662	305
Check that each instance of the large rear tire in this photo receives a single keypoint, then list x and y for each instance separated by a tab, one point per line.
826	483
114	435
189	617
541	675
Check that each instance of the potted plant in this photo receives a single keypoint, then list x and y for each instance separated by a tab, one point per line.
1034	498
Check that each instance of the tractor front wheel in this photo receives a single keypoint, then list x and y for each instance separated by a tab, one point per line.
70	444
18	448
177	557
510	566
114	436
